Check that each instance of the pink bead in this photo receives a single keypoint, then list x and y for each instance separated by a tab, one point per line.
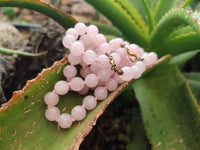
68	40
153	57
99	40
149	58
136	49
94	68
77	48
83	64
69	71
84	90
103	61
100	93
89	57
74	60
65	120
80	28
104	74
116	58
115	44
85	71
101	83
61	87
118	79
78	113
52	113
137	72
92	31
51	98
141	66
104	48
73	32
76	84
85	39
111	84
122	52
127	75
89	102
91	80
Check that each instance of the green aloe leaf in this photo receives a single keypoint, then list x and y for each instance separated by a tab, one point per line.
145	10
22	118
186	3
18	52
180	44
173	20
194	83
108	30
128	20
183	57
163	7
139	139
170	113
60	17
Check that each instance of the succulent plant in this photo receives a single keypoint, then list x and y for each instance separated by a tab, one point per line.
168	102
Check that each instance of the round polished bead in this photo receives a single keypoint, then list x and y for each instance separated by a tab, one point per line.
85	39
69	71
111	84
118	79
127	74
78	113
141	66
84	90
92	31
73	32
65	120
51	98
61	87
104	48
68	40
52	113
89	57
115	44
99	40
136	49
149	58
116	57
80	28
74	60
85	71
103	61
104	74
76	84
89	102
77	48
91	80
94	68
137	72
100	93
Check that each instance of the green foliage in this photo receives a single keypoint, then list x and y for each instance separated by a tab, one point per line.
9	12
63	19
194	83
170	114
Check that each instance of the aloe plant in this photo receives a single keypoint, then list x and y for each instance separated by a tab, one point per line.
168	102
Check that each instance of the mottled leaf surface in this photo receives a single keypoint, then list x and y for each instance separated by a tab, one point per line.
170	114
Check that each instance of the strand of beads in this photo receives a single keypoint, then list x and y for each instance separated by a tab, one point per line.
103	67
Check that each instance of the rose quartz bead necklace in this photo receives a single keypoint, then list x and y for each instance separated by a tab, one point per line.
103	67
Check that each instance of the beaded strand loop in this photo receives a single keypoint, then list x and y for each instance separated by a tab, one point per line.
103	67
